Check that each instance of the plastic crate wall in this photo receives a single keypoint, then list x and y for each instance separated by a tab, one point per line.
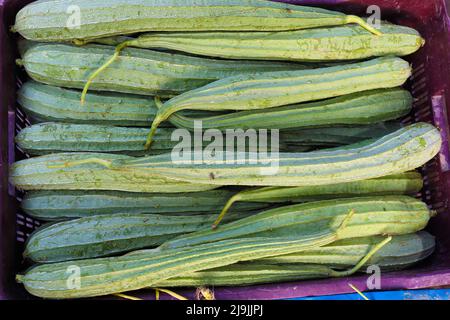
430	87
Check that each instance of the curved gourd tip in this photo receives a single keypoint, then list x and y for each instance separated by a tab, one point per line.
205	293
80	42
13	29
19	62
355	19
19	278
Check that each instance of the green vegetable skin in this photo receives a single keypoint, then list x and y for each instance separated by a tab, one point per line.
138	71
111	275
61	205
401	151
54	137
401	252
368	107
44	103
47	20
409	183
106	235
49	103
35	174
393	215
320	44
273	89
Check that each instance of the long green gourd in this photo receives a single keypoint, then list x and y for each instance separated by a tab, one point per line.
391	215
48	103
62	205
400	253
54	137
35	174
44	103
246	274
369	107
139	71
319	44
110	234
409	183
273	89
52	20
339	135
104	235
59	205
402	151
105	276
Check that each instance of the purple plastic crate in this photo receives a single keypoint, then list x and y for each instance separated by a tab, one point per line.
430	86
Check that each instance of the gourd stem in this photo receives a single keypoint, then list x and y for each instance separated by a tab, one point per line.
363	260
171	293
95	74
345	222
156	122
206	293
230	202
158	119
124	296
80	42
102	162
158	102
362	23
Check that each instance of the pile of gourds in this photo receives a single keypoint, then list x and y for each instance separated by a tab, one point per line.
129	216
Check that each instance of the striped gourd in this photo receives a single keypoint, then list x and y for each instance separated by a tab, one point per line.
401	151
60	205
354	109
106	235
409	183
49	103
337	136
401	252
48	20
138	71
37	174
319	44
104	276
246	274
393	215
274	89
44	103
54	137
